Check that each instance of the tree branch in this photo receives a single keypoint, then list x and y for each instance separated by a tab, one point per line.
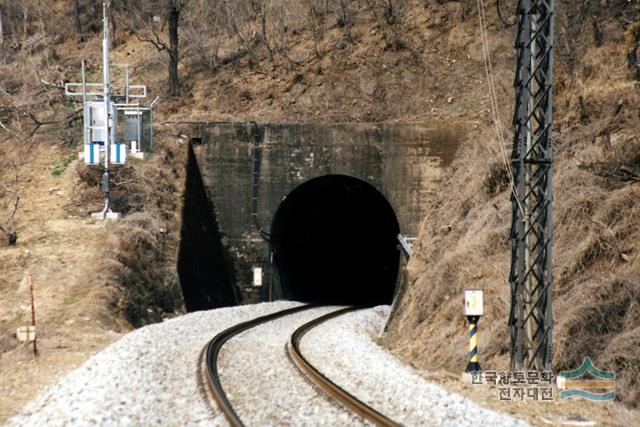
157	43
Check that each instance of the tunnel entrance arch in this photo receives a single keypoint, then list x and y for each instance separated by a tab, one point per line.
334	241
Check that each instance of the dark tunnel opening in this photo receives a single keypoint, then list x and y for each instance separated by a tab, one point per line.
204	267
334	241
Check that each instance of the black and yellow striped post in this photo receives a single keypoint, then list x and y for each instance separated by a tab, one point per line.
473	365
473	309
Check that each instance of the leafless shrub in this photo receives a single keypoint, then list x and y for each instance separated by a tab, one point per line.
622	165
14	151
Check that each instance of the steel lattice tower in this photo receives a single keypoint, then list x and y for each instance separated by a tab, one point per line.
530	319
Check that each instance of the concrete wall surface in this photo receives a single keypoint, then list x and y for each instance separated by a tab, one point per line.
404	161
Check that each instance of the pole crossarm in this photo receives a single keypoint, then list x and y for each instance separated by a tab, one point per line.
97	89
530	318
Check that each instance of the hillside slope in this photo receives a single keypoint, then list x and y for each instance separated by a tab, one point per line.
464	241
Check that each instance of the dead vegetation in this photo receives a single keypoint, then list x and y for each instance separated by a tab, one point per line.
147	193
597	191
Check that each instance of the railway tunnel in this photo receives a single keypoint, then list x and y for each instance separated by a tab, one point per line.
333	235
334	241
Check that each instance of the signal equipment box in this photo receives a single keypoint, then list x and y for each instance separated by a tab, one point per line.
473	302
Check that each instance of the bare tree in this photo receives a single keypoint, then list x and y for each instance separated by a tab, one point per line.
201	31
114	27
387	19
25	19
76	15
344	18
11	163
261	12
145	29
9	192
315	23
230	11
173	15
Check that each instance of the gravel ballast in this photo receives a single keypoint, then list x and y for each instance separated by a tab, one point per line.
345	351
281	396
152	377
149	377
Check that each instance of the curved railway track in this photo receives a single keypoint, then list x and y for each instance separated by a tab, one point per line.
336	392
211	358
293	348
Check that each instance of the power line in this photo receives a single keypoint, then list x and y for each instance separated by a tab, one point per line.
495	110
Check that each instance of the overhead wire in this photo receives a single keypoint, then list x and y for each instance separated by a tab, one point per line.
495	111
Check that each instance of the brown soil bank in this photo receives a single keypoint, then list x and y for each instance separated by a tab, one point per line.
464	240
93	280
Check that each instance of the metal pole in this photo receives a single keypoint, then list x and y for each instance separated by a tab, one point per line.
151	129
151	122
126	83
84	86
33	317
139	125
106	94
548	320
531	319
531	241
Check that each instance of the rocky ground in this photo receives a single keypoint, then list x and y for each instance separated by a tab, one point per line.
153	376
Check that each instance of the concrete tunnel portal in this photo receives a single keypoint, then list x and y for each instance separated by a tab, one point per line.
333	236
334	241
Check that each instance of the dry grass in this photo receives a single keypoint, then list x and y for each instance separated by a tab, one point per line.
464	240
93	280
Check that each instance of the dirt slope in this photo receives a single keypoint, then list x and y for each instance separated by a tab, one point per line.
464	240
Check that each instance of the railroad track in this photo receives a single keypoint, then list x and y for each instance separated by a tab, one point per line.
334	391
213	350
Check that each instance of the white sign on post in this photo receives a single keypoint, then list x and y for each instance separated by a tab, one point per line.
473	302
257	277
26	333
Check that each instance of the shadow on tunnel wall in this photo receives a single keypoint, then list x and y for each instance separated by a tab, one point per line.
204	266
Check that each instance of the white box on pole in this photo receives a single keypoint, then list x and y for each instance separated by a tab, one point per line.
473	302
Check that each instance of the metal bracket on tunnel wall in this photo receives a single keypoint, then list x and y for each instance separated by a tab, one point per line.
406	245
407	249
254	131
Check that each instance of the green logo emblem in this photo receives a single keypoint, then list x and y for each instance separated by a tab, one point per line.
573	383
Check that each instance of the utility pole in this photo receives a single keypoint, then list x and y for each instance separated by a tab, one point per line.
102	103
106	97
530	319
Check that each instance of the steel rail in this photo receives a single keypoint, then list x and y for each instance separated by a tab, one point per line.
329	387
213	349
